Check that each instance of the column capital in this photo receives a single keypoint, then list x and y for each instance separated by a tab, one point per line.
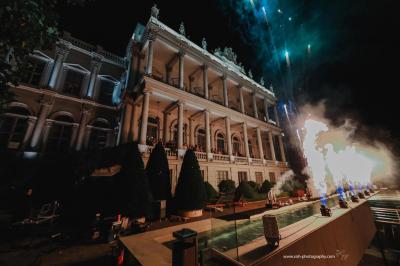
180	103
224	76
151	35
204	66
63	47
49	123
181	53
32	120
97	59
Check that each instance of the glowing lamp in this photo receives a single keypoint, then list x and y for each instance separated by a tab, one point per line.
325	211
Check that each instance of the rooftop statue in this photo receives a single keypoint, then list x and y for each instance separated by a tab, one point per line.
262	81
204	43
182	29
250	74
155	11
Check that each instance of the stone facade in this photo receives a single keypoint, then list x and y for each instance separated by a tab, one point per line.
166	88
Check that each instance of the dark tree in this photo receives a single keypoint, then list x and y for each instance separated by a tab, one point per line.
211	193
133	184
157	170
190	192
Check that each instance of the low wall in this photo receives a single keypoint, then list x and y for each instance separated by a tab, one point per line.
343	239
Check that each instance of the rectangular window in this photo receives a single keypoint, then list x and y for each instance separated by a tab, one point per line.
259	178
272	177
33	73
242	176
222	175
73	82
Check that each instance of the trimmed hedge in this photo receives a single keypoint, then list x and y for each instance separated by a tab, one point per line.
254	185
227	186
245	190
265	187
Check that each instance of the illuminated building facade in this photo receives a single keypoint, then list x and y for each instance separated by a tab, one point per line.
165	89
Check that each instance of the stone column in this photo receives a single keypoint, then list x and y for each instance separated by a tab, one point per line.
82	129
246	141
271	146
40	124
282	148
62	50
126	126
255	110
94	71
225	89
228	138
205	81
75	128
266	108
208	133
134	123
28	133
241	100
181	68
276	116
180	125
149	66
145	116
259	142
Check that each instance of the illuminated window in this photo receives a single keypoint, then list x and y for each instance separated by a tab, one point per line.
222	175
201	139
220	143
236	146
259	178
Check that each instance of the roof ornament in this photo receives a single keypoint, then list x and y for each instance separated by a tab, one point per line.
230	54
262	81
155	11
182	29
250	74
271	88
204	43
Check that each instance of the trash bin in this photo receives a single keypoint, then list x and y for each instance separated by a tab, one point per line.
185	248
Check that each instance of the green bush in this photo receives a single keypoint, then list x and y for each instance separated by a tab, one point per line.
211	193
254	185
266	187
227	186
190	192
245	190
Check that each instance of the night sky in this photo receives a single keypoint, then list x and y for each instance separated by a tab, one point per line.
354	64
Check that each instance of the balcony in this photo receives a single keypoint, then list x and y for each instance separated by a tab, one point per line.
221	158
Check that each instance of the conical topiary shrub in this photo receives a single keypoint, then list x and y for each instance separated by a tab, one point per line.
211	193
157	171
134	186
190	192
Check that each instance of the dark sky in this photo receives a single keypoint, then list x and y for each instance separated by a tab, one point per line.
357	73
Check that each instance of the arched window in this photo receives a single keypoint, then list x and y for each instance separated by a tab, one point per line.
236	146
60	134
220	143
12	127
201	139
175	133
152	130
98	135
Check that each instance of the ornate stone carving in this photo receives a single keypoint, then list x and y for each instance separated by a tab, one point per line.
204	43
155	11
182	29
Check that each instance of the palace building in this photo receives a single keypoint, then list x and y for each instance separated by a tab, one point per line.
166	88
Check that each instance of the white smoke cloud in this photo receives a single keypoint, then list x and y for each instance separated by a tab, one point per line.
335	156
